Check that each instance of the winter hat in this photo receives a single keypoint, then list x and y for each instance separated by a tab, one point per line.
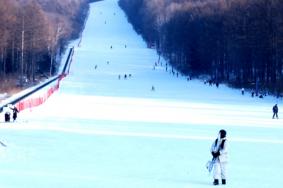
222	133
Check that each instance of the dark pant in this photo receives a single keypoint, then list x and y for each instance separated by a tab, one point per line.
275	114
7	117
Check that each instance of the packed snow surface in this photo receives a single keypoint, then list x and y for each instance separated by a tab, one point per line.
100	131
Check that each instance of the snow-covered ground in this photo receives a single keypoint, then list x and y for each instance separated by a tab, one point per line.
104	132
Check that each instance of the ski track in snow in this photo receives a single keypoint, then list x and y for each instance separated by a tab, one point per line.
101	131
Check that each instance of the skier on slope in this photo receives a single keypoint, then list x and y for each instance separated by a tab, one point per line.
275	111
7	113
15	112
219	153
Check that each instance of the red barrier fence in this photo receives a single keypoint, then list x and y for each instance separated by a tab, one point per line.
36	101
35	97
39	99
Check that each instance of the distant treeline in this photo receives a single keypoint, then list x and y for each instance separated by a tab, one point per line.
239	42
34	33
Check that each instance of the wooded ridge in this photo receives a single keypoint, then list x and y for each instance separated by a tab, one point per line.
239	42
33	35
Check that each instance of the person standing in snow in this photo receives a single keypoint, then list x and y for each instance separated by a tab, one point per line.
275	111
217	84
219	153
7	113
253	93
15	112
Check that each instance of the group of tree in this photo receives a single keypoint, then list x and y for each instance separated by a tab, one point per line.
239	42
34	33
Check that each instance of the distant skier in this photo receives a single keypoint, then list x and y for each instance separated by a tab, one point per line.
15	112
152	88
219	153
243	91
253	93
7	113
217	84
7	116
275	111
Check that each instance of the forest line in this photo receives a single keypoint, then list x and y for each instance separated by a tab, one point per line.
33	36
239	42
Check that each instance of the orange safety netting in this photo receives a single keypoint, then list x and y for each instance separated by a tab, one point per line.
31	102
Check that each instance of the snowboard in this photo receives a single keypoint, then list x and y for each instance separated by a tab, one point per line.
210	164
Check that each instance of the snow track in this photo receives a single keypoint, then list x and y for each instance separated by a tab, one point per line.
102	131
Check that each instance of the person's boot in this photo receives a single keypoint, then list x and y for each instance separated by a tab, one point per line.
224	181
215	182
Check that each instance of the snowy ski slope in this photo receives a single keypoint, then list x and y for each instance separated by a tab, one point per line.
100	131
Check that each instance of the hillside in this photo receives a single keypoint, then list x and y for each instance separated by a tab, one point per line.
239	42
99	131
33	35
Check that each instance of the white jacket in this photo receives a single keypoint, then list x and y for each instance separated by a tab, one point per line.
223	151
